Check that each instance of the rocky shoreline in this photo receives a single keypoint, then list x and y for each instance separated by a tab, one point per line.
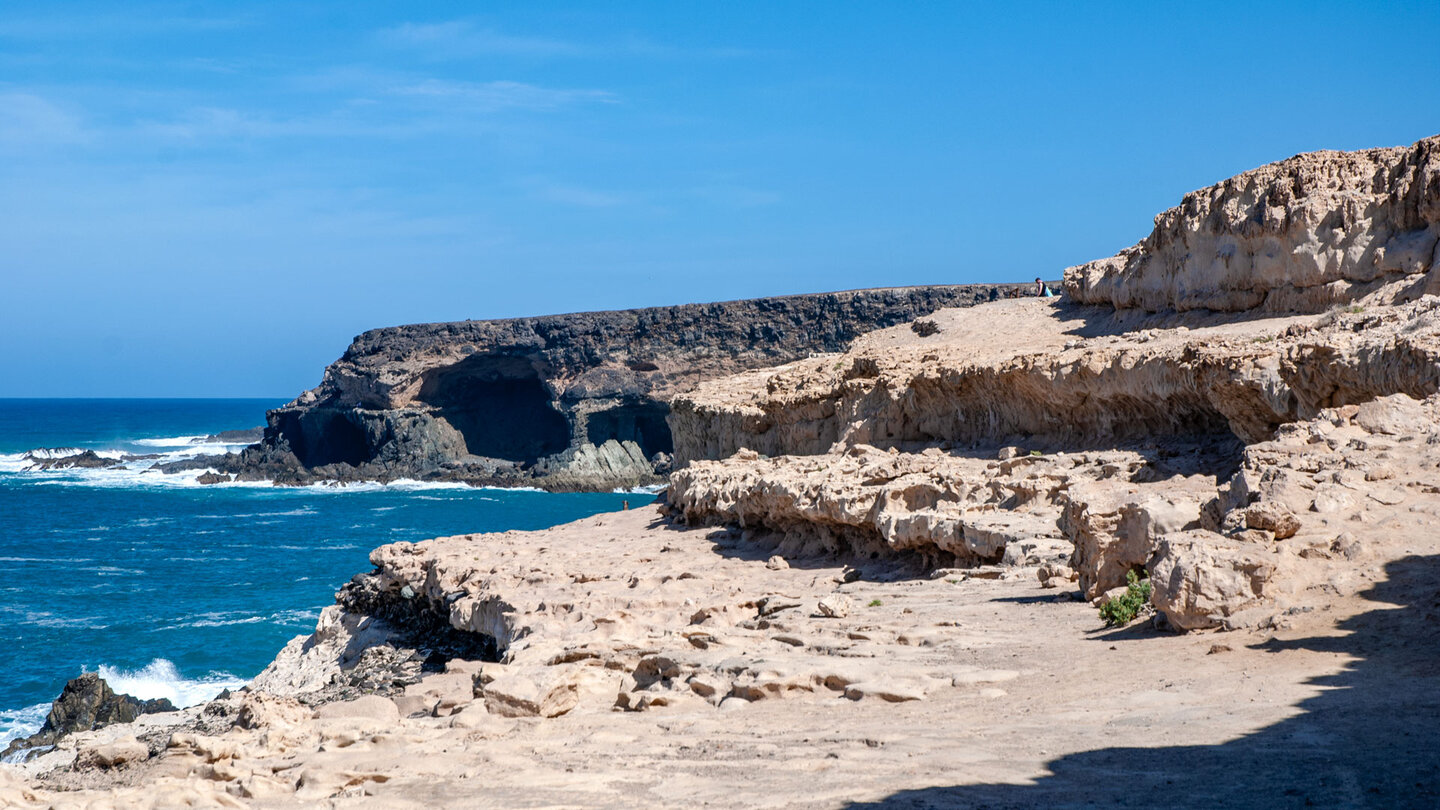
887	575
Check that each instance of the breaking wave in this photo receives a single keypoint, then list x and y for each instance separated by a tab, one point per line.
15	723
160	679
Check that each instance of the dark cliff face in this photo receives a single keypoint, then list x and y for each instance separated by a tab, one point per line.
565	401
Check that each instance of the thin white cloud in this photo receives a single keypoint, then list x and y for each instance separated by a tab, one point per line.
568	194
28	119
735	196
202	126
725	195
462	39
71	26
499	95
426	106
207	123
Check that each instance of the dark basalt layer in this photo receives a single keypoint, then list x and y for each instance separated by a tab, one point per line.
574	401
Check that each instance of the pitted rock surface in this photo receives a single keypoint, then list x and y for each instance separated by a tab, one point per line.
1300	235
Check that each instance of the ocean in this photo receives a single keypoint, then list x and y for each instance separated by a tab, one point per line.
169	588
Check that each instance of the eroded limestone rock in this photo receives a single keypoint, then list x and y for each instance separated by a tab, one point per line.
1299	235
1199	578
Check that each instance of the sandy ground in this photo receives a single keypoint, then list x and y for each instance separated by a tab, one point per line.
1341	710
1046	707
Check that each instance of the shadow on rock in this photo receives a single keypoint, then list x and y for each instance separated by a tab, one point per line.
1370	739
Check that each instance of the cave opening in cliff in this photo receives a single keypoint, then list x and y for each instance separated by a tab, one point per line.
500	406
324	436
640	422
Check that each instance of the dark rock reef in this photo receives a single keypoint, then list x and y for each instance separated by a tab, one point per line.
86	703
564	402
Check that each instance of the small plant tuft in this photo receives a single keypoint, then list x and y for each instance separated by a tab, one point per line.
1036	453
1123	609
1356	309
874	603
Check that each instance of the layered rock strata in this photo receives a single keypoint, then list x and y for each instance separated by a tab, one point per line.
1146	446
1300	235
564	401
794	449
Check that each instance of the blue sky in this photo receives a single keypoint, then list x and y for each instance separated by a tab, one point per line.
212	199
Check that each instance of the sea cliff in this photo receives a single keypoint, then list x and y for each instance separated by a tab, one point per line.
575	401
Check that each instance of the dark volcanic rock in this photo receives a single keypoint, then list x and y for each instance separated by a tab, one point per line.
86	703
246	436
84	459
574	401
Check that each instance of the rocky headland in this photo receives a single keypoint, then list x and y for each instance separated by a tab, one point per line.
873	580
562	402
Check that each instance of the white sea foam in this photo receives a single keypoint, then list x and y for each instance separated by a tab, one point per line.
15	723
649	489
304	510
220	620
160	679
51	452
173	441
48	559
142	473
50	620
305	617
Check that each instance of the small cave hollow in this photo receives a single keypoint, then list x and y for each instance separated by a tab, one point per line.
500	406
323	437
640	422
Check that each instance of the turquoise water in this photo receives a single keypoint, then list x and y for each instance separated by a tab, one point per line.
173	589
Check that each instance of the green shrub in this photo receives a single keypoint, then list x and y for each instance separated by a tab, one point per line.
1124	608
874	603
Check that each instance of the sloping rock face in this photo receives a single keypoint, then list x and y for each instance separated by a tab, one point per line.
953	509
1236	449
1299	235
1132	379
1224	458
564	401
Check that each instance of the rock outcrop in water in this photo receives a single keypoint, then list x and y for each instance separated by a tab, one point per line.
86	703
563	401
